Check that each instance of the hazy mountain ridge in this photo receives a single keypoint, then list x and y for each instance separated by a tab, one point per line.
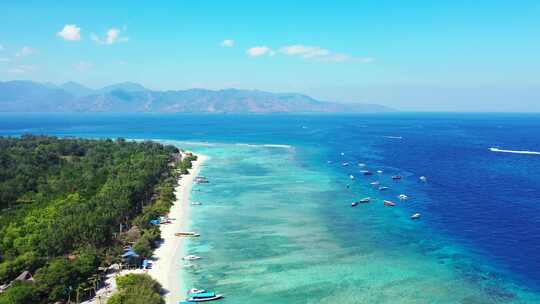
28	96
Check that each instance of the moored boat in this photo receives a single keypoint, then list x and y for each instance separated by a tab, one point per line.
204	297
403	197
365	200
354	204
375	183
396	177
187	234
191	257
196	291
416	216
366	172
389	203
383	188
423	178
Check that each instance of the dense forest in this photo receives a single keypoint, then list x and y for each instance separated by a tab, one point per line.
67	205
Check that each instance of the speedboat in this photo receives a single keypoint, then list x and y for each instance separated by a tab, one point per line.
365	200
354	204
396	177
366	172
379	171
402	197
376	183
345	164
389	203
423	178
204	297
196	203
191	257
383	188
351	176
196	291
416	216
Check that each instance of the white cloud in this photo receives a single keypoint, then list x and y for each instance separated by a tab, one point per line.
257	51
70	32
82	66
319	54
25	51
227	43
112	36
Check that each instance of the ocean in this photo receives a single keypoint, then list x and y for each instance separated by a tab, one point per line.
276	218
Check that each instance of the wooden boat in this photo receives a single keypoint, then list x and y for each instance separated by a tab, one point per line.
389	203
187	234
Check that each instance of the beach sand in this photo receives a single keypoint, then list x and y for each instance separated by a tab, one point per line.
167	257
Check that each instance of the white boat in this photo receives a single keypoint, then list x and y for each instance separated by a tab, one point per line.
351	176
196	291
345	164
383	188
342	153
204	297
379	171
376	183
196	203
191	257
361	165
402	197
365	200
416	216
423	178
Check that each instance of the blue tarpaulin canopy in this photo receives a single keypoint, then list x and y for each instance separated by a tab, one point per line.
154	222
130	254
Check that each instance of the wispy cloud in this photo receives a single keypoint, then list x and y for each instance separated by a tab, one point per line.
25	51
113	35
257	51
22	69
227	43
319	54
70	32
82	66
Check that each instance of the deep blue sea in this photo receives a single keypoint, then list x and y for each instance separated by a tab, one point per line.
277	221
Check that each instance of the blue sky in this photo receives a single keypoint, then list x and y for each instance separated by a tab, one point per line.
414	55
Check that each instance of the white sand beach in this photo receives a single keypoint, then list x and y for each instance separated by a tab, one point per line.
167	257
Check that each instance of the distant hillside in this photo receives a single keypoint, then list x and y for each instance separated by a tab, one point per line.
27	96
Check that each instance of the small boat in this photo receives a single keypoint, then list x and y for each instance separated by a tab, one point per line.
204	297
345	164
376	183
379	171
190	234
396	177
351	176
196	203
402	197
361	165
389	203
416	216
383	188
354	204
342	153
423	178
365	200
366	172
196	291
191	257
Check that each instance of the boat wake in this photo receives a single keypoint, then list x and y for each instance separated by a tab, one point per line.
514	151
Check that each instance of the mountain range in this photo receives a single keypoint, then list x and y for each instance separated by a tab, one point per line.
29	96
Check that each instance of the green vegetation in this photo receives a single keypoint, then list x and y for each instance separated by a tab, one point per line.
137	289
67	206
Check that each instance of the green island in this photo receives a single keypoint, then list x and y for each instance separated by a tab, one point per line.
70	207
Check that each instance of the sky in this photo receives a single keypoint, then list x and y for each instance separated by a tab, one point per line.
447	55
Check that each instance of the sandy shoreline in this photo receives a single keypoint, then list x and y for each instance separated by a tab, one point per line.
167	257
